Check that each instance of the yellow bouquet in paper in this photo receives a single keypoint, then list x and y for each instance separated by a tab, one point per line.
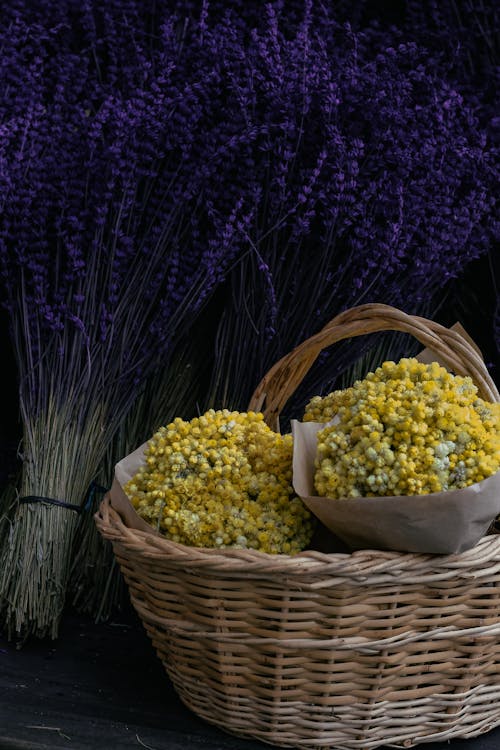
408	428
222	480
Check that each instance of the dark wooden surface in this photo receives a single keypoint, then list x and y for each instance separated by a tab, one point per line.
102	686
97	686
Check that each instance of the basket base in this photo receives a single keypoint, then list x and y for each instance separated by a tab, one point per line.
280	717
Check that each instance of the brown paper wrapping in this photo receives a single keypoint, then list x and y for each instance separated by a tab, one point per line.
442	522
125	470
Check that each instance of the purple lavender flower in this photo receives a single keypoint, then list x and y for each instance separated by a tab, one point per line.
374	181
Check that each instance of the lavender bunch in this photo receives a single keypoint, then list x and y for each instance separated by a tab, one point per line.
114	234
374	181
468	35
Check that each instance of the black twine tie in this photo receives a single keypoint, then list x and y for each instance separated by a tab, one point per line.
88	500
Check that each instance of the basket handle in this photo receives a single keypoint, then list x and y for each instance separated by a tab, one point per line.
453	350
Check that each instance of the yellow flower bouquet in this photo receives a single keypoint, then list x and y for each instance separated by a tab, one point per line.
221	480
407	458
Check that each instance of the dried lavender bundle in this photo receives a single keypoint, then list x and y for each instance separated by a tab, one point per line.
375	182
113	235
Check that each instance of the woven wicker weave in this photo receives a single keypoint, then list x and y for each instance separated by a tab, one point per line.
326	650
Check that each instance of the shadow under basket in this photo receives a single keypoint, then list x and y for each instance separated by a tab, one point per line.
323	650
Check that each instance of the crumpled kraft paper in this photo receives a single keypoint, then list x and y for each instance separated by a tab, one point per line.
125	470
441	522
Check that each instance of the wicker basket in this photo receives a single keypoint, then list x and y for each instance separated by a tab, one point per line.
326	650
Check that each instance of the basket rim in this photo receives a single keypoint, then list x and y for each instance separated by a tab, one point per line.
362	564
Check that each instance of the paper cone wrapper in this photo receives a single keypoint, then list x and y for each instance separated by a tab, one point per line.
441	522
125	470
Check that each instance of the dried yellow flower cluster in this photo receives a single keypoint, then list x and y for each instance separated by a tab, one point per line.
222	480
406	429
